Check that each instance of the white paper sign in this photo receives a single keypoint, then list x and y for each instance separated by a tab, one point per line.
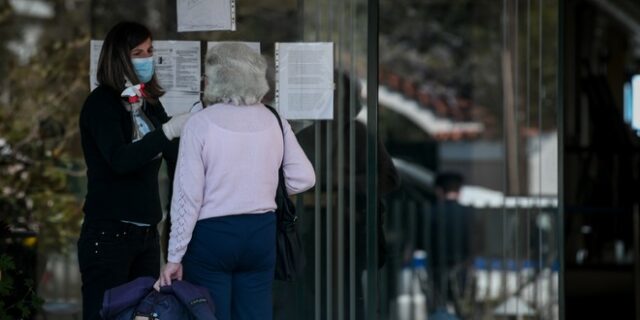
206	15
253	45
304	80
177	65
176	102
96	47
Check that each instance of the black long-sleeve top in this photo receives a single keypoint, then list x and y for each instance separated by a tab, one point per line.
122	175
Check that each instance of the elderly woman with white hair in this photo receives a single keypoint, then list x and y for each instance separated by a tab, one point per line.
222	213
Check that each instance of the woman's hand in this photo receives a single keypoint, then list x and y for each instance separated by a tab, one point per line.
171	271
173	127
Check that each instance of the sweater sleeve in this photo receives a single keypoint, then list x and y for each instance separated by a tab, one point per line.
105	127
188	191
298	172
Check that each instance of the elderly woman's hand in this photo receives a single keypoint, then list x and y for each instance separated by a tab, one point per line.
172	271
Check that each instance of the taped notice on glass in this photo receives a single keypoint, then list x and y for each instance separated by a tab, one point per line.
96	47
177	64
304	80
177	102
177	67
206	15
253	45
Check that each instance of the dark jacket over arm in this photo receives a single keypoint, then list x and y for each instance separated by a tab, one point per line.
122	175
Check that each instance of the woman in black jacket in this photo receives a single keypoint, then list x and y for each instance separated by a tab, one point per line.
123	145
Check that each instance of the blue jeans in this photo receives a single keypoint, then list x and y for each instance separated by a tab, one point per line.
234	257
111	253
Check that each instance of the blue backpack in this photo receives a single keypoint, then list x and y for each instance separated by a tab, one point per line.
139	300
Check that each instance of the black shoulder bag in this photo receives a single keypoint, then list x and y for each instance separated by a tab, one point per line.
289	254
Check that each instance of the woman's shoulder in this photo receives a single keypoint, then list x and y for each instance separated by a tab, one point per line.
198	121
101	99
228	116
102	94
104	91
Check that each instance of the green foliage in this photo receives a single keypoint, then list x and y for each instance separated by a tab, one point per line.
25	305
40	161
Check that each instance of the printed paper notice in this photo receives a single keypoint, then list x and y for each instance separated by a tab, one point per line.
96	47
253	45
176	102
304	80
206	15
177	65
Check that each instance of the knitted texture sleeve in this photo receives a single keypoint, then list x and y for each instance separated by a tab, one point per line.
188	190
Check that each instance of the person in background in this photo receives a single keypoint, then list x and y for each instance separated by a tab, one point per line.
223	224
123	145
450	247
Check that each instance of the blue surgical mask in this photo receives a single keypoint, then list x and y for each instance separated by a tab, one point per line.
143	68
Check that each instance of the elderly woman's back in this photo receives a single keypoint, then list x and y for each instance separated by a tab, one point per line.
222	211
228	164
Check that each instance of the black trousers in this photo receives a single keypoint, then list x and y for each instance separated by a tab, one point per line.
111	253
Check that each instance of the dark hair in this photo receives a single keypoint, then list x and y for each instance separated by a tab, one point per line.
449	181
115	59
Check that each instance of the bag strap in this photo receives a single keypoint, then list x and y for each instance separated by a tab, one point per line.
275	113
280	171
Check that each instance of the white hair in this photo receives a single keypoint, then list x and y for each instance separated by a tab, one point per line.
235	74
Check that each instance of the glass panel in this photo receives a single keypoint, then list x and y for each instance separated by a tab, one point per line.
437	185
601	51
335	236
468	113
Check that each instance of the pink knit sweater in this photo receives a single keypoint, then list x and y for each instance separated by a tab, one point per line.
228	164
